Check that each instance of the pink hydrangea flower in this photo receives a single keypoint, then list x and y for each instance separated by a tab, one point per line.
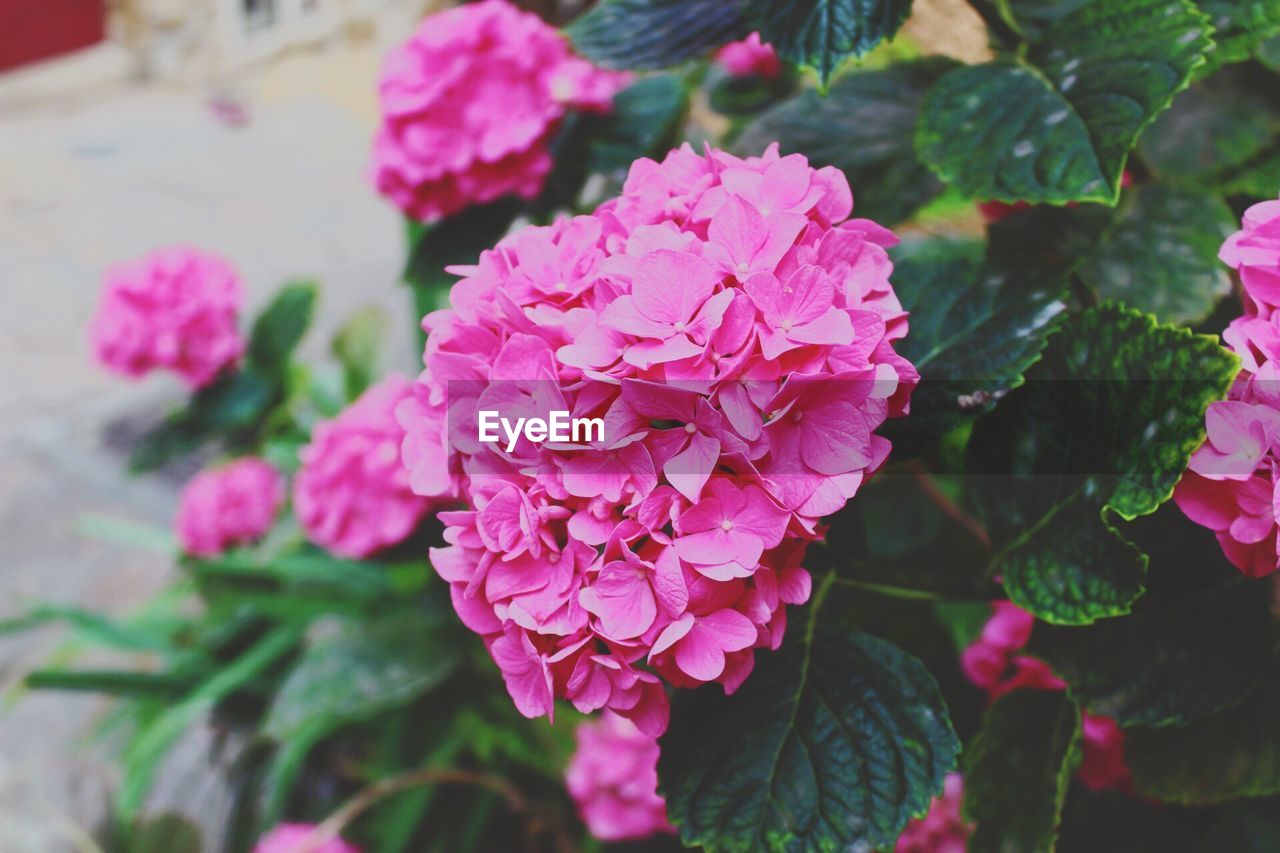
995	662
470	103
298	838
1230	485
613	779
351	494
943	829
221	508
749	56
732	328
176	309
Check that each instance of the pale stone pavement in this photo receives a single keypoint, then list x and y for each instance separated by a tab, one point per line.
96	168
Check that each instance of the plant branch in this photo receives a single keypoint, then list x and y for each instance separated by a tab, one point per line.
950	508
334	825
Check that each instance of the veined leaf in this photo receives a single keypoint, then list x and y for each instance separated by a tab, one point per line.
821	34
645	34
1101	432
833	742
1017	769
1058	126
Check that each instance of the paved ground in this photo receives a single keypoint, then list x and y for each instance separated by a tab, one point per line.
93	169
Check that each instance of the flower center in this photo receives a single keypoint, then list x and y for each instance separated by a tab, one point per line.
690	428
743	267
726	525
560	285
680	326
786	325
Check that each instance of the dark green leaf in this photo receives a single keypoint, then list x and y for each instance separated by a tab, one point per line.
280	327
1017	770
1170	661
1258	178
657	33
1239	28
1033	17
1113	821
362	670
1058	126
1268	53
457	240
1101	431
832	743
821	34
975	328
865	127
643	123
112	682
1162	254
1232	754
1213	128
228	409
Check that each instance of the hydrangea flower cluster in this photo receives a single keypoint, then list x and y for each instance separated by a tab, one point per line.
351	494
225	507
1231	485
469	104
943	829
297	838
733	328
750	56
995	663
613	779
175	309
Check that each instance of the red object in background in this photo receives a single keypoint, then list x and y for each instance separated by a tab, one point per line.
31	30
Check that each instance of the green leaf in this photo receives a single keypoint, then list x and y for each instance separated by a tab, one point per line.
975	329
1101	432
1268	53
457	240
1033	17
1240	27
644	34
145	752
1058	126
1199	654
833	742
1215	127
280	327
1162	254
821	34
167	686
227	410
357	345
644	122
1258	178
1017	770
360	671
1229	755
865	127
307	571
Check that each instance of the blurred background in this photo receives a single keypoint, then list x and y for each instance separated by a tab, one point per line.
240	126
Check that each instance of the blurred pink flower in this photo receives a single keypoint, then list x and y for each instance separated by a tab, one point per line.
297	838
994	662
943	829
613	779
469	105
221	508
352	495
176	309
749	56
